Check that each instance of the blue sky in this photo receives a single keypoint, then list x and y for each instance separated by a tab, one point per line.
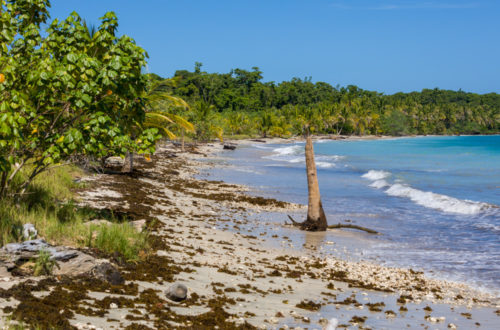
387	46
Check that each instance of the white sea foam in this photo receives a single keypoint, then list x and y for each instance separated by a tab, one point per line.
376	175
290	150
296	160
324	165
330	157
437	201
246	170
379	184
295	155
258	146
425	198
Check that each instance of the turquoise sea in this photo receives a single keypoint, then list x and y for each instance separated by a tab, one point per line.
435	199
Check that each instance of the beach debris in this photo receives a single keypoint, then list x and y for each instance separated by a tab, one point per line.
433	319
177	292
113	306
228	146
82	326
390	314
329	324
114	161
29	231
344	225
452	326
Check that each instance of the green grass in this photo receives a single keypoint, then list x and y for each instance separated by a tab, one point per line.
50	206
122	238
44	264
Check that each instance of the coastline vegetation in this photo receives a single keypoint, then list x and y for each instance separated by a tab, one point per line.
50	206
69	94
241	104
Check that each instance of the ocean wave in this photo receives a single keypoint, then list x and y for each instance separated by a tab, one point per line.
376	175
296	160
289	150
258	146
324	165
427	199
379	184
295	155
487	227
245	170
437	201
329	157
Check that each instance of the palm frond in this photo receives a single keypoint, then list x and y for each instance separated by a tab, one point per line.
163	130
152	116
183	123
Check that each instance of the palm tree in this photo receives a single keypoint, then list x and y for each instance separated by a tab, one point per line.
316	218
265	123
157	104
203	113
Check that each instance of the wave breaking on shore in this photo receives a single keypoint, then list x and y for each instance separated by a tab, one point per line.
427	199
295	155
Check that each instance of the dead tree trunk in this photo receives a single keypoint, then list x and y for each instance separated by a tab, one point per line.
316	218
182	141
128	165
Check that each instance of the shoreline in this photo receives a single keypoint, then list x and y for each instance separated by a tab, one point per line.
475	296
214	152
270	191
236	278
334	137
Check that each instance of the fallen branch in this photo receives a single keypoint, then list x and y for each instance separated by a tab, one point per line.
295	223
340	225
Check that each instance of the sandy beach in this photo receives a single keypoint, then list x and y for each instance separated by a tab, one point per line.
237	279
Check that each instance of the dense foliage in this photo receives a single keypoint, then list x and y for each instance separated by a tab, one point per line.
67	92
240	103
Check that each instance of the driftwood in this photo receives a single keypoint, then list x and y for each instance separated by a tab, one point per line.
345	225
338	226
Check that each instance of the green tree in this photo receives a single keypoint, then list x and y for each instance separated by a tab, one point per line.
66	92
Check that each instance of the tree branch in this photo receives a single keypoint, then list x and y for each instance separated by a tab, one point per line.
344	225
339	226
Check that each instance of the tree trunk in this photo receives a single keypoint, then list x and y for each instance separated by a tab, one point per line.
3	181
316	219
128	165
182	141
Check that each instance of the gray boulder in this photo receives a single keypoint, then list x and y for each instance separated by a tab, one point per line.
108	273
177	292
15	252
70	262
